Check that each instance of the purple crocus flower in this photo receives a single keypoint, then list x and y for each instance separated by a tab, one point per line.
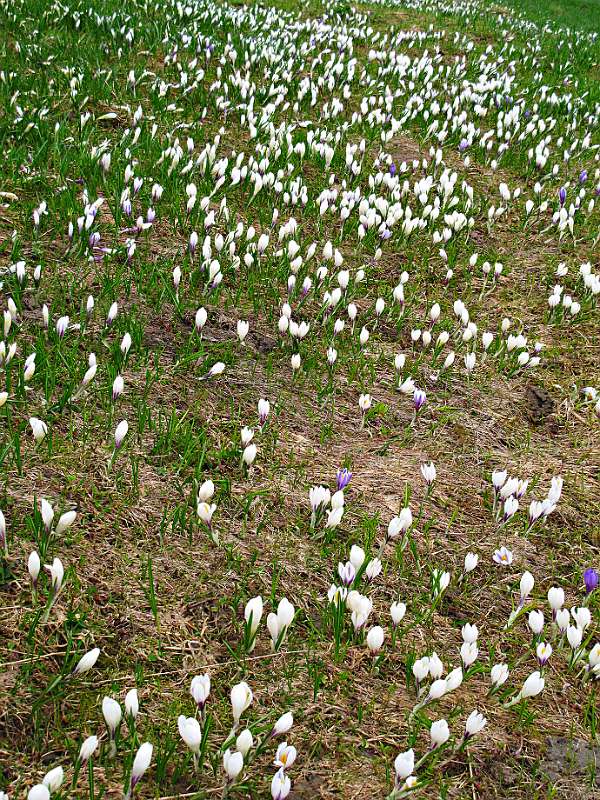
419	399
544	651
347	573
591	580
392	169
562	195
100	252
463	145
344	476
583	176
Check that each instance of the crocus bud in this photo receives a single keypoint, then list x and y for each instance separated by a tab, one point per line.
556	598
121	433
526	585
53	779
57	572
253	613
347	573
469	633
562	619
61	326
454	679
233	764
33	566
357	557
337	499
216	370
88	748
533	685
47	513
141	762
244	742
39	792
206	491
437	689
375	638
117	387
420	669
439	733
404	765
334	517
125	345
90	374
111	711
132	705
246	435
87	661
242	329
397	612
471	560
264	408
201	317
39	428
112	314
65	521
190	732
373	569
499	479
249	454
241	697
574	636
428	472
283	724
536	622
594	656
176	278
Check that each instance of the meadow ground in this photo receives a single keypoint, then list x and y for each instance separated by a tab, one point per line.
248	250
